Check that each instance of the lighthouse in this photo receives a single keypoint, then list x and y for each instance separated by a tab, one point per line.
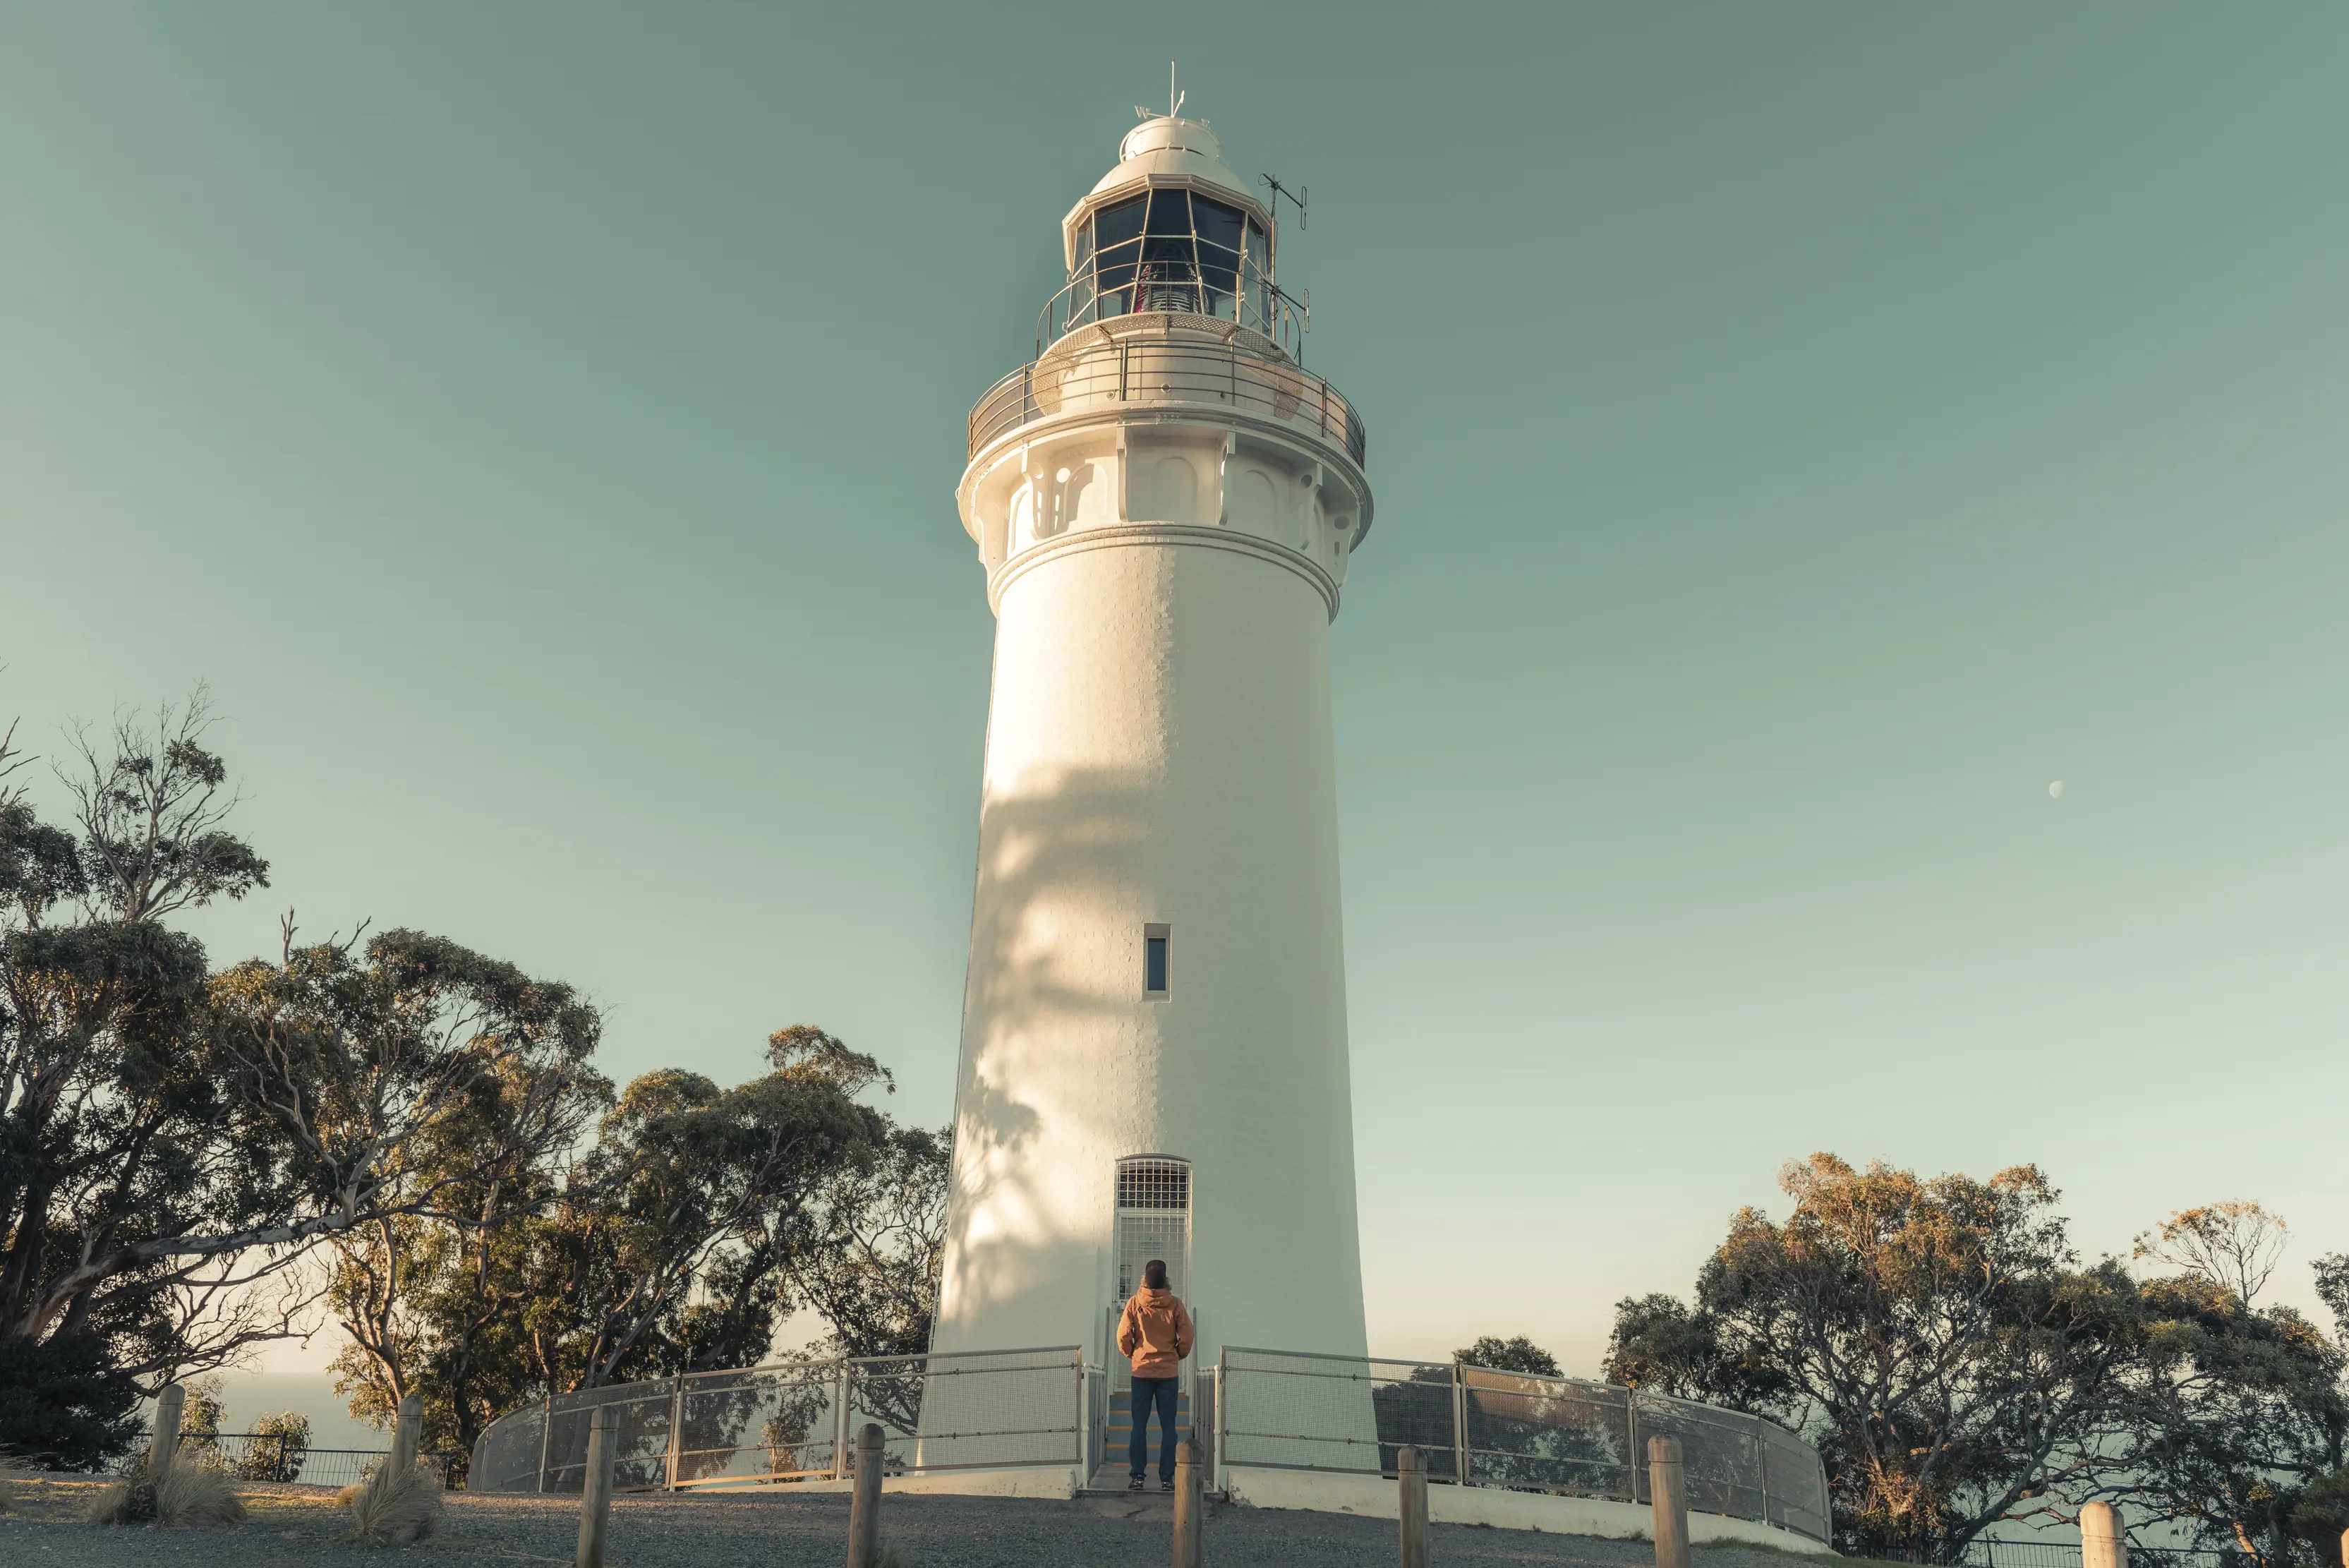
1153	1054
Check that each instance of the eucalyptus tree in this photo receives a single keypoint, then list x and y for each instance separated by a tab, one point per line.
175	1142
1935	1337
879	1235
2238	1424
675	1244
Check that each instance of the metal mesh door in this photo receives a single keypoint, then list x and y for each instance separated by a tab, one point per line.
1154	1220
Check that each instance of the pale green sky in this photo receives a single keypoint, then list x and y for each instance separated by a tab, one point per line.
1801	433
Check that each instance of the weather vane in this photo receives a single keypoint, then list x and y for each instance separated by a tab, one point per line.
1173	99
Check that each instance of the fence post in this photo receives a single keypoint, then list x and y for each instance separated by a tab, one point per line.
1459	1424
864	1503
1762	1471
676	1428
1411	1505
1668	1485
546	1439
1631	1442
406	1433
165	1445
595	1494
2101	1542
1223	1451
1187	1506
840	1423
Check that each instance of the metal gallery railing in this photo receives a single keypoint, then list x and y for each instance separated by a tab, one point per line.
1294	1410
1150	371
798	1421
1179	288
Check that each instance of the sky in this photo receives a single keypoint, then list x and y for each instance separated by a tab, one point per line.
1802	434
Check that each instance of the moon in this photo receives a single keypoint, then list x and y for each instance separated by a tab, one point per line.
2055	789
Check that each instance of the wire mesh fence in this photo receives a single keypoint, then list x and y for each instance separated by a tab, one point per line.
276	1457
798	1421
1294	1410
1153	370
1982	1552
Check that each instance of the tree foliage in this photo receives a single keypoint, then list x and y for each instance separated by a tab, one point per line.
678	1240
175	1141
178	1144
2236	1418
1515	1354
1957	1365
872	1267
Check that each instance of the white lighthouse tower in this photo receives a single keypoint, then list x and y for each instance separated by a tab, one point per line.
1154	1040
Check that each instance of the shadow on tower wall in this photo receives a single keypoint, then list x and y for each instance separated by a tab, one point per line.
1058	855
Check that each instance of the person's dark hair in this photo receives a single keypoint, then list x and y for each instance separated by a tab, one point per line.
1154	1273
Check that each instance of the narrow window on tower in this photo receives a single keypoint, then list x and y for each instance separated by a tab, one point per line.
1156	940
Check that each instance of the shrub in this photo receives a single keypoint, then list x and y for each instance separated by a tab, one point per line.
63	1404
392	1508
281	1442
200	1423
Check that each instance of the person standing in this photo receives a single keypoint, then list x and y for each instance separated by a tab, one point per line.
1156	1333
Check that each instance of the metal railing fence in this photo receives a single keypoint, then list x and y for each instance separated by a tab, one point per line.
1982	1552
1090	300
798	1420
270	1457
1296	1410
1151	371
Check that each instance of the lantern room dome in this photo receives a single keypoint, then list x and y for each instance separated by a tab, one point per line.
1166	144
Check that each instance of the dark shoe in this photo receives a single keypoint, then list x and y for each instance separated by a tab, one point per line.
1164	1486
1134	1485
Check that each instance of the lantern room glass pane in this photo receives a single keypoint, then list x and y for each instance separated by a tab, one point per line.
1116	264
1116	225
1170	212
1216	224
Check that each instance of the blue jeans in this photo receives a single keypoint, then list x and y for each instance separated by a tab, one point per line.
1149	1394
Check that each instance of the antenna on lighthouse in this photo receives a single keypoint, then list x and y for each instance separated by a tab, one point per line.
1296	197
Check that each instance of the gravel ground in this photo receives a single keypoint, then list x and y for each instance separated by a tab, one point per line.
301	1525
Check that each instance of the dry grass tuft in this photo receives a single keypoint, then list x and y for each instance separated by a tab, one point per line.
192	1495
126	1499
197	1495
394	1509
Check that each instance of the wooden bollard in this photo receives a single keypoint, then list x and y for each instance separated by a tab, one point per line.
595	1496
1667	1487
864	1502
407	1433
1411	1505
169	1406
2102	1545
1189	1504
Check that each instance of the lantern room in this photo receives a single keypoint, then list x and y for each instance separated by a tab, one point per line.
1170	229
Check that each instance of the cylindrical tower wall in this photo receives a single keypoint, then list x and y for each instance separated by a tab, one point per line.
1158	753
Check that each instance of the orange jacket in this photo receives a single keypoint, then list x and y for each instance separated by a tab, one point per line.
1155	1332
